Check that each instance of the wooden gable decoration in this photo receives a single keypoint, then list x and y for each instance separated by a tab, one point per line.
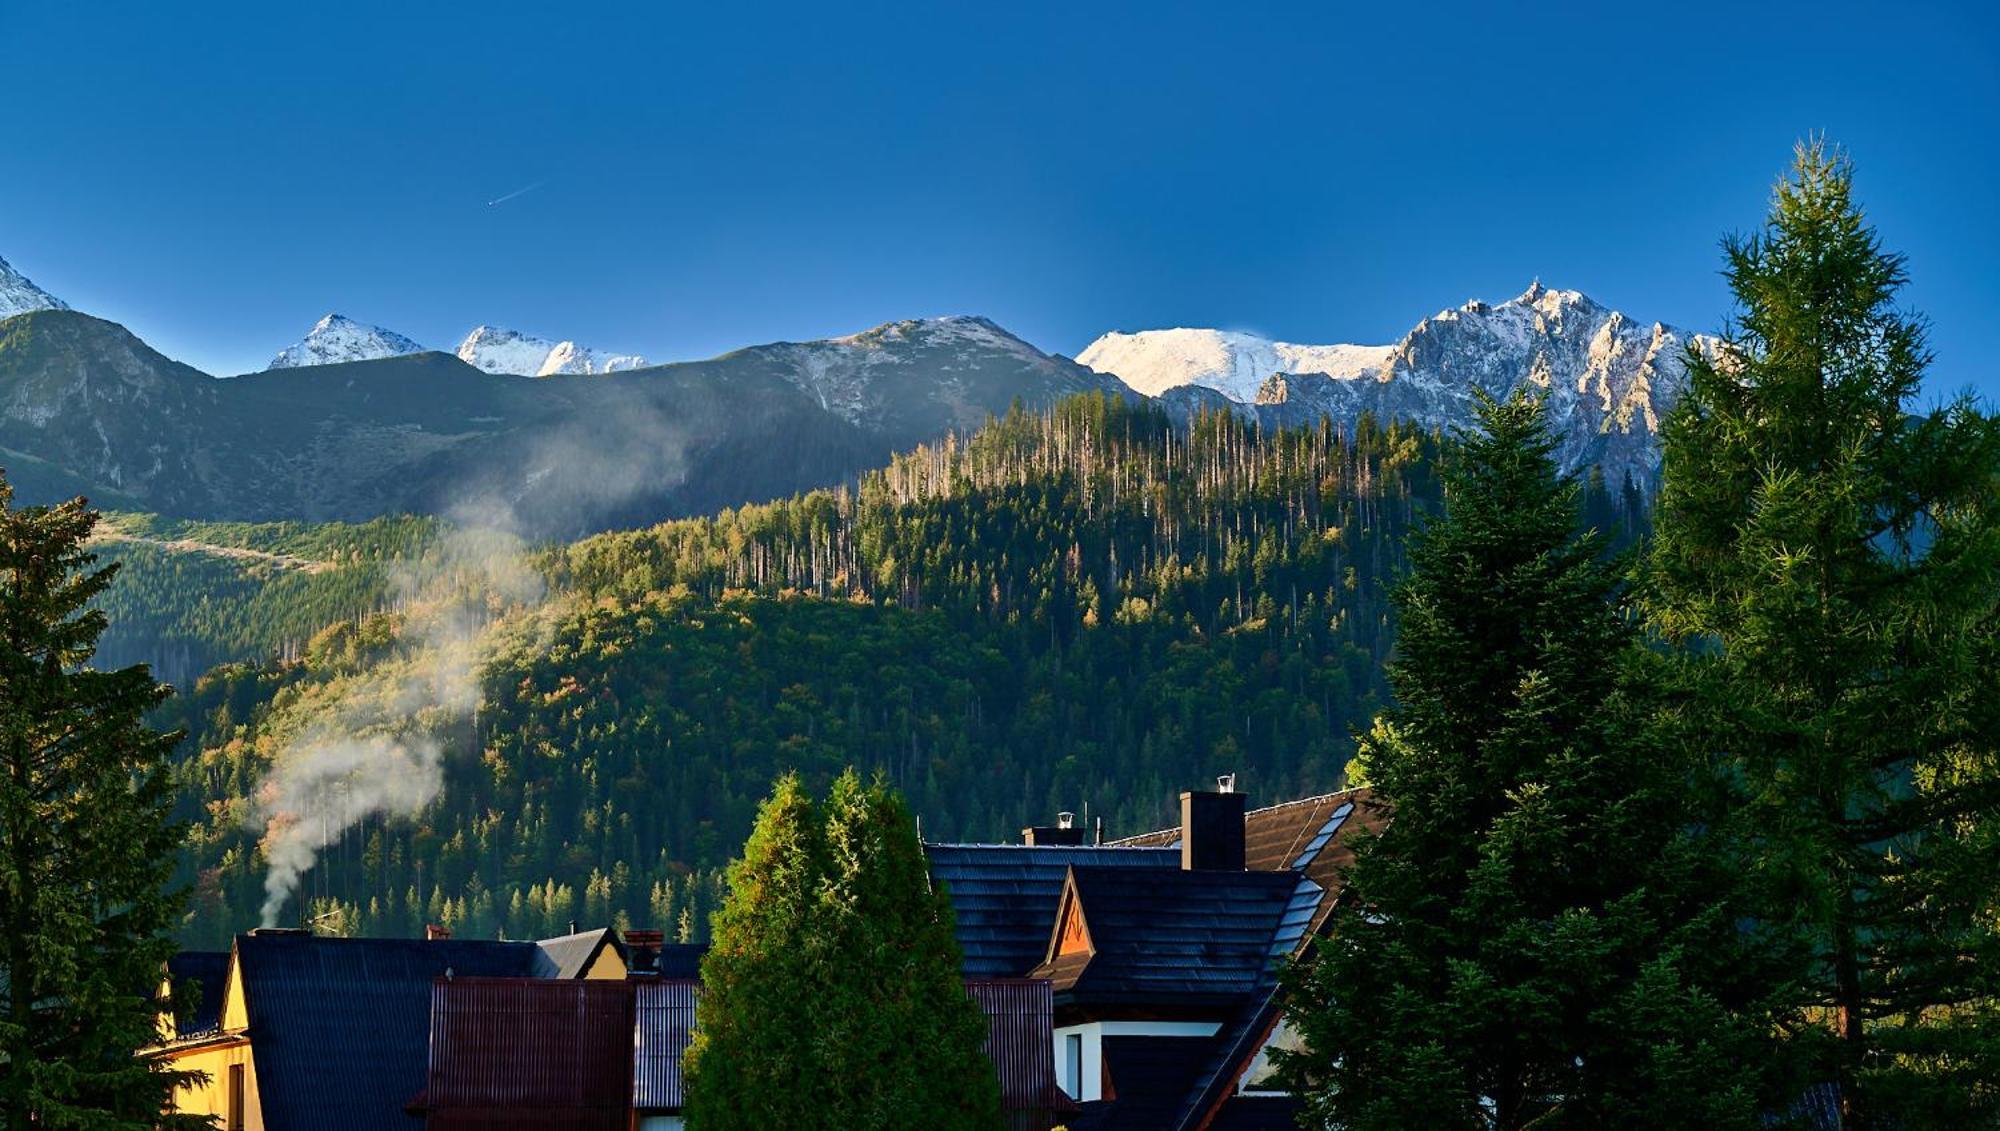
1072	935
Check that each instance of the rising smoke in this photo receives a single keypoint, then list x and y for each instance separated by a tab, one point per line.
379	750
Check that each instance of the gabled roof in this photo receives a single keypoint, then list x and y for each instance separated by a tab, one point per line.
1313	835
340	1028
568	956
1167	936
1003	896
210	969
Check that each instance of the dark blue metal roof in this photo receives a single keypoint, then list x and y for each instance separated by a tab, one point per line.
208	969
1148	1076
1173	936
340	1028
1004	896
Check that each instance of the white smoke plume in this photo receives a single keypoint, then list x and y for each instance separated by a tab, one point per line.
379	750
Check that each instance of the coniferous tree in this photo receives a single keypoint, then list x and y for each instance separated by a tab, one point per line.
1537	937
832	993
752	1062
1835	561
906	1044
86	847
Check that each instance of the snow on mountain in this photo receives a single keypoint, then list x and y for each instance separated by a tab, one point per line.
1608	379
568	357
337	338
19	296
1232	363
960	366
497	350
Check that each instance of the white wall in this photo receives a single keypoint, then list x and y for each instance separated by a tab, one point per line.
1091	1087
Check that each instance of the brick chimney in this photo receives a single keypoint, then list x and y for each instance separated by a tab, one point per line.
435	933
1212	828
642	951
1064	831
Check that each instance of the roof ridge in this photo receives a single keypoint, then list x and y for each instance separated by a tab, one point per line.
1315	799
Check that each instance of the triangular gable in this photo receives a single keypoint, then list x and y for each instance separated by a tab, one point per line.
235	1009
1072	930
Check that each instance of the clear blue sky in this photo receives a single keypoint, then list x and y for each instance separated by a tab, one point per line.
217	175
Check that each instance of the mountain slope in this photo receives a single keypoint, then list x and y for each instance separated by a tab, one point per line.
1092	603
19	296
87	407
1609	379
336	339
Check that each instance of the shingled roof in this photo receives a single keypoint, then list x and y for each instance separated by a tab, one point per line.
1168	937
209	970
340	1028
1004	896
1314	835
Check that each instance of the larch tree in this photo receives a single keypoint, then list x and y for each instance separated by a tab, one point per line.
832	992
1539	937
86	844
1832	559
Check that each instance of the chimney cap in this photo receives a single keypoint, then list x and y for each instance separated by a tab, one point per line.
1225	783
1065	819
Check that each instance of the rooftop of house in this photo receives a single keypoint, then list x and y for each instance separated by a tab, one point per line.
340	1028
1004	896
207	971
1314	835
529	1052
1167	937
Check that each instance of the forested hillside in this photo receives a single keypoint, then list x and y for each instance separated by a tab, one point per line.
1091	605
194	595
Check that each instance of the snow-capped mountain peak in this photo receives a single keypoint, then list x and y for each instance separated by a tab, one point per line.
19	296
1609	379
337	338
1231	362
497	350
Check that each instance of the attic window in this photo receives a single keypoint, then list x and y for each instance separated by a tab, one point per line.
1324	834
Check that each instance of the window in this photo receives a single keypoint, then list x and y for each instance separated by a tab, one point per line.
1073	1065
1261	1078
235	1099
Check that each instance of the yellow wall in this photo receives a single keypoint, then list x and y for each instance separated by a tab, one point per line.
235	1013
608	965
212	1097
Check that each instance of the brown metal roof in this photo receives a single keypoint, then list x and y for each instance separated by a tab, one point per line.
530	1052
1021	1012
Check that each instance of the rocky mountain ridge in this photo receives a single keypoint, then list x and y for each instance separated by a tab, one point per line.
1609	379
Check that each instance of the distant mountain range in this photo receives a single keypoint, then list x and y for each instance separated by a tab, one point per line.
356	421
337	339
1609	379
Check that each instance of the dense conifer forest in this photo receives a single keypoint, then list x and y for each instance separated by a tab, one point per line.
1091	606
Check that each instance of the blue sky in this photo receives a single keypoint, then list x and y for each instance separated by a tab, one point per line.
218	175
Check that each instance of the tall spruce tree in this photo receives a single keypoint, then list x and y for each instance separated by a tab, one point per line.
1834	559
86	846
1537	939
832	994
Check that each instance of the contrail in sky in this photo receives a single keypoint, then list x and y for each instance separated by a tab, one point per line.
515	193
